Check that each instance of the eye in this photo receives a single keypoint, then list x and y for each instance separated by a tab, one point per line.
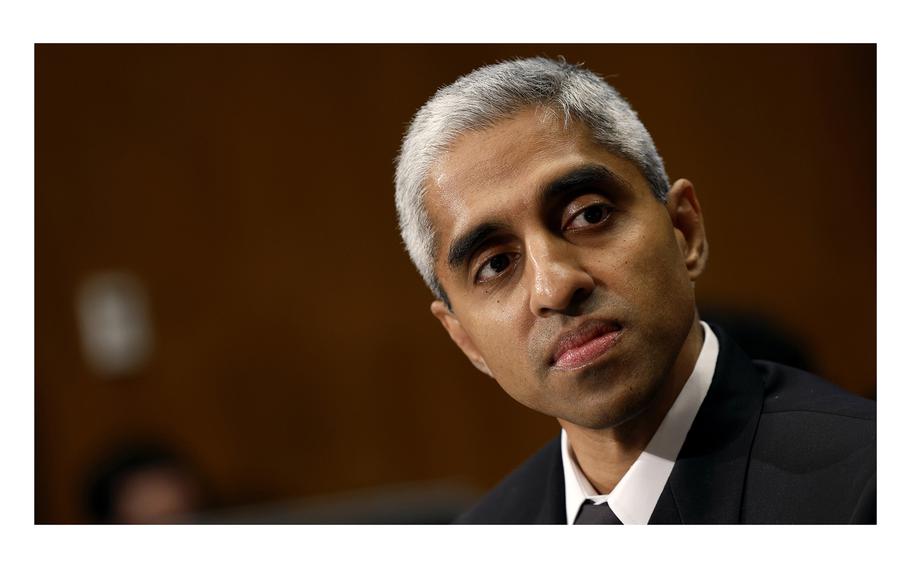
493	267
589	216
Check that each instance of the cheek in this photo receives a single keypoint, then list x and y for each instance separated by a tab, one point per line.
494	337
649	270
506	321
501	346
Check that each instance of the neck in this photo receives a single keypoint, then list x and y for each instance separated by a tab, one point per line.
605	455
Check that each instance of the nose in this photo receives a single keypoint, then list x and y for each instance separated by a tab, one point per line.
560	283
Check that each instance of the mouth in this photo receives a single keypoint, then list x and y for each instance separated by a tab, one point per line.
585	344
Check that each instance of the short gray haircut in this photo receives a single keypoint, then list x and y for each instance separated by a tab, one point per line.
477	100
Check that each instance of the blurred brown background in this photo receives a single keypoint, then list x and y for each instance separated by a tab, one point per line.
238	202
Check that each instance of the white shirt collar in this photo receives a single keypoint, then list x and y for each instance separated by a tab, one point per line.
635	496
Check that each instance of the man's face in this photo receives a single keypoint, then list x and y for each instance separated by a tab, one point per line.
570	283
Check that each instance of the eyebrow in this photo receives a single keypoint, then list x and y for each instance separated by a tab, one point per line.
581	177
465	245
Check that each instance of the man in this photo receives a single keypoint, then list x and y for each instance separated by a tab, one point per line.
536	207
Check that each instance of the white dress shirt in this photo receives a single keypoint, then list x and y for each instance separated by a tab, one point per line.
635	496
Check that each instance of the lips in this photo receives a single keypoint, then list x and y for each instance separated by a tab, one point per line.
586	343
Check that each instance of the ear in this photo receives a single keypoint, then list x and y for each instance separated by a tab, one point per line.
685	214
458	334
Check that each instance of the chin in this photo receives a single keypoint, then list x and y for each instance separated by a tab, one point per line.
622	402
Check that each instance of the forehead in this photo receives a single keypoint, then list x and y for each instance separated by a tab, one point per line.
496	173
493	155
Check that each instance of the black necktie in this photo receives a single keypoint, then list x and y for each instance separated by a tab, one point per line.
592	514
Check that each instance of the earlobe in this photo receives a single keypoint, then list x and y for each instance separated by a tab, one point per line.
458	334
686	216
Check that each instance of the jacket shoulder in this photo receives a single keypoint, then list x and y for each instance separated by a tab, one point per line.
814	441
791	390
807	422
517	498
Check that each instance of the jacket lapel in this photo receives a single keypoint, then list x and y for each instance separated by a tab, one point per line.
553	505
666	511
706	484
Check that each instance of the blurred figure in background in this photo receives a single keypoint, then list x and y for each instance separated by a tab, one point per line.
144	484
761	337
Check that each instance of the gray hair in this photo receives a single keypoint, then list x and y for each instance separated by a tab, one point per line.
477	100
